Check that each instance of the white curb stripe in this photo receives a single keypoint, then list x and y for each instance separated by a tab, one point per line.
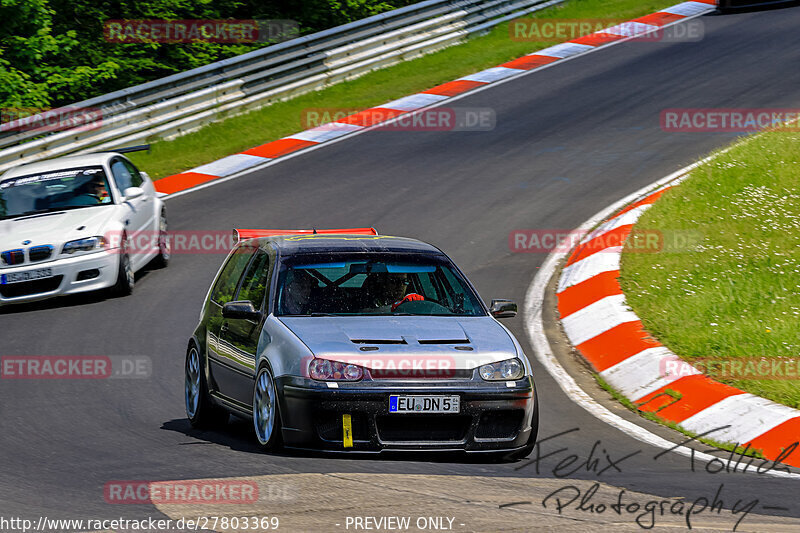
630	29
563	50
228	165
597	318
605	260
646	372
687	9
492	74
748	416
627	218
326	132
414	102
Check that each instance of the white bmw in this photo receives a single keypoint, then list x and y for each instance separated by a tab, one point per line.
67	224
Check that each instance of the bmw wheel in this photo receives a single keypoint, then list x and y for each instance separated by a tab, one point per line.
126	279
164	247
265	410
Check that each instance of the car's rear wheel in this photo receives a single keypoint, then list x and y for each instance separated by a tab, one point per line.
125	276
164	248
266	419
200	410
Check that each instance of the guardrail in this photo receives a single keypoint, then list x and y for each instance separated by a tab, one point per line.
174	105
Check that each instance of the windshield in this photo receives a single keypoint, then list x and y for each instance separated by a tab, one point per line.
53	191
375	284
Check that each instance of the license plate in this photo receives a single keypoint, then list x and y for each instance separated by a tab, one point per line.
424	404
29	275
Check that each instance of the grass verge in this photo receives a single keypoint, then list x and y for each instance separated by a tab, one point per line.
731	301
239	133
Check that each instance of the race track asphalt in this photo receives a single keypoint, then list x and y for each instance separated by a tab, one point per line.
568	141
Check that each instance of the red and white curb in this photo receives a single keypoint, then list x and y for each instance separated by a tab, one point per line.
383	114
612	339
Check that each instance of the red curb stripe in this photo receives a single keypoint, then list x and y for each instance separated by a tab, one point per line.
452	88
278	148
370	117
530	62
659	19
697	392
651	199
588	292
598	39
779	438
615	237
616	345
180	182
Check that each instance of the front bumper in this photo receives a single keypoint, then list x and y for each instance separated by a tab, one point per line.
494	417
103	266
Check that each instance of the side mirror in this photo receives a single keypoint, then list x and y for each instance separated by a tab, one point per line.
133	192
503	309
241	310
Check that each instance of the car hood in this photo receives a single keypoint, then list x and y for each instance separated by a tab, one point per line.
55	228
458	342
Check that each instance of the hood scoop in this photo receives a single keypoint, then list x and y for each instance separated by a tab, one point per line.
378	341
444	341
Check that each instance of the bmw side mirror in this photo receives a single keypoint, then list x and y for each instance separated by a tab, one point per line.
241	310
503	309
133	192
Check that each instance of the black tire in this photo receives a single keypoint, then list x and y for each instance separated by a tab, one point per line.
125	276
200	410
267	434
164	248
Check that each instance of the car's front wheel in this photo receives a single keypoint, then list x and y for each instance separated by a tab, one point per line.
199	409
126	279
266	419
164	247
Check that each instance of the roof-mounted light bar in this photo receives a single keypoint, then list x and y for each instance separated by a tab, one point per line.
244	234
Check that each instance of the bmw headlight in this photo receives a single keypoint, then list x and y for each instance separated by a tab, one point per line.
502	370
88	244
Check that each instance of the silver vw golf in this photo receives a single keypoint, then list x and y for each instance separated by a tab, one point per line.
350	341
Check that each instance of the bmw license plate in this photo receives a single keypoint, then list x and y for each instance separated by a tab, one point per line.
28	275
424	404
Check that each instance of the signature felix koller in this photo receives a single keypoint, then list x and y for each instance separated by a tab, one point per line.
600	460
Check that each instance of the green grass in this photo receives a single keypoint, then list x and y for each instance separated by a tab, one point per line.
735	295
238	133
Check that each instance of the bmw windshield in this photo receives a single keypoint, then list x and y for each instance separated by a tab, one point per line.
374	284
53	191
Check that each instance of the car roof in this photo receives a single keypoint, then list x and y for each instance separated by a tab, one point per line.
60	163
311	244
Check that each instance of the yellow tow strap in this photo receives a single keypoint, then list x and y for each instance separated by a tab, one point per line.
347	426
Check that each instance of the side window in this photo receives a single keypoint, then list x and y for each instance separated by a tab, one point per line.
122	175
225	287
254	284
136	177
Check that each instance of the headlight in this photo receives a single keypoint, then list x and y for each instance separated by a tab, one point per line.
325	370
502	371
84	245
